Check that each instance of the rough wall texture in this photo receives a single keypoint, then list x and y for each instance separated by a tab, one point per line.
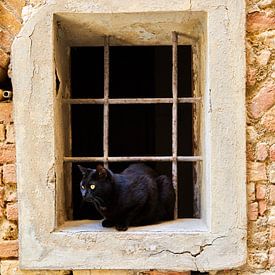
260	145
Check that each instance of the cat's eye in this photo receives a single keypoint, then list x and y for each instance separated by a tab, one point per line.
92	186
82	187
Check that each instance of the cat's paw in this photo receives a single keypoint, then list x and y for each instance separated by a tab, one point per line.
107	223
121	227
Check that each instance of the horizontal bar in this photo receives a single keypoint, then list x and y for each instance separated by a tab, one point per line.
130	100
135	159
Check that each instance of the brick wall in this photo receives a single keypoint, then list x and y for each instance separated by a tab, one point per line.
260	41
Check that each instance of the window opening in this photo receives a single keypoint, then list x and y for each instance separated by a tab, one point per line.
105	98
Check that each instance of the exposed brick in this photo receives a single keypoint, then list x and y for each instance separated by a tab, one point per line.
250	191
7	153
260	191
8	20
264	57
252	134
12	212
10	133
272	152
257	260
271	174
272	256
253	211
256	171
6	112
259	22
2	194
2	132
11	196
251	73
268	120
261	151
271	221
4	59
264	3
250	154
11	267
272	234
9	173
262	207
16	5
8	249
264	99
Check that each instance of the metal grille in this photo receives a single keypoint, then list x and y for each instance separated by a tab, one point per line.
106	101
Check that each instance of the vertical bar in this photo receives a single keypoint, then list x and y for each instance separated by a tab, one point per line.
106	101
174	116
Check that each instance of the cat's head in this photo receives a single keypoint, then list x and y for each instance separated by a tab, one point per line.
96	184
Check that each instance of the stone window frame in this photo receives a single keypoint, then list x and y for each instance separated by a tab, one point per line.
47	240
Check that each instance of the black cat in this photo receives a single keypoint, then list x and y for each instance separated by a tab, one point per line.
137	196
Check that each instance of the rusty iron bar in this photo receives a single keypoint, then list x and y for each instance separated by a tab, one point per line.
134	159
175	116
106	98
130	100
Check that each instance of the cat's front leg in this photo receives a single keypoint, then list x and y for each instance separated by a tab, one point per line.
107	223
121	226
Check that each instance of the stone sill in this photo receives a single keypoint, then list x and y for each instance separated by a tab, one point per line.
175	226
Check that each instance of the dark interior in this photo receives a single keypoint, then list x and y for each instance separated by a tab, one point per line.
134	130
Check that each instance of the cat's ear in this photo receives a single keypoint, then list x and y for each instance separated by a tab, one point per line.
102	172
83	170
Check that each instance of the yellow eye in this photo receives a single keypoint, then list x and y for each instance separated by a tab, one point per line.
92	186
82	187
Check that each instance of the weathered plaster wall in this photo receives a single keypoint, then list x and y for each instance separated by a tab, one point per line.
260	144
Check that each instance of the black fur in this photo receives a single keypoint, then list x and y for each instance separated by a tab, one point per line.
137	196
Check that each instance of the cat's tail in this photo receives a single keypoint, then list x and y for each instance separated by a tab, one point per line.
166	197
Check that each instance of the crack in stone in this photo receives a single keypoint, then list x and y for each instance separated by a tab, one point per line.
194	255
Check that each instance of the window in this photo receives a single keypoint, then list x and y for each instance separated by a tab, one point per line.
50	237
130	119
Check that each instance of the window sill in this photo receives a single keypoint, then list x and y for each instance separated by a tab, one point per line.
179	226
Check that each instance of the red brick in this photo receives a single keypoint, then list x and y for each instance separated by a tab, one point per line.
262	207
263	57
7	153
261	151
272	194
9	173
251	73
268	120
253	211
264	100
2	195
272	152
5	39
2	132
256	171
272	233
10	133
8	20
12	212
260	191
272	256
6	112
8	249
260	22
